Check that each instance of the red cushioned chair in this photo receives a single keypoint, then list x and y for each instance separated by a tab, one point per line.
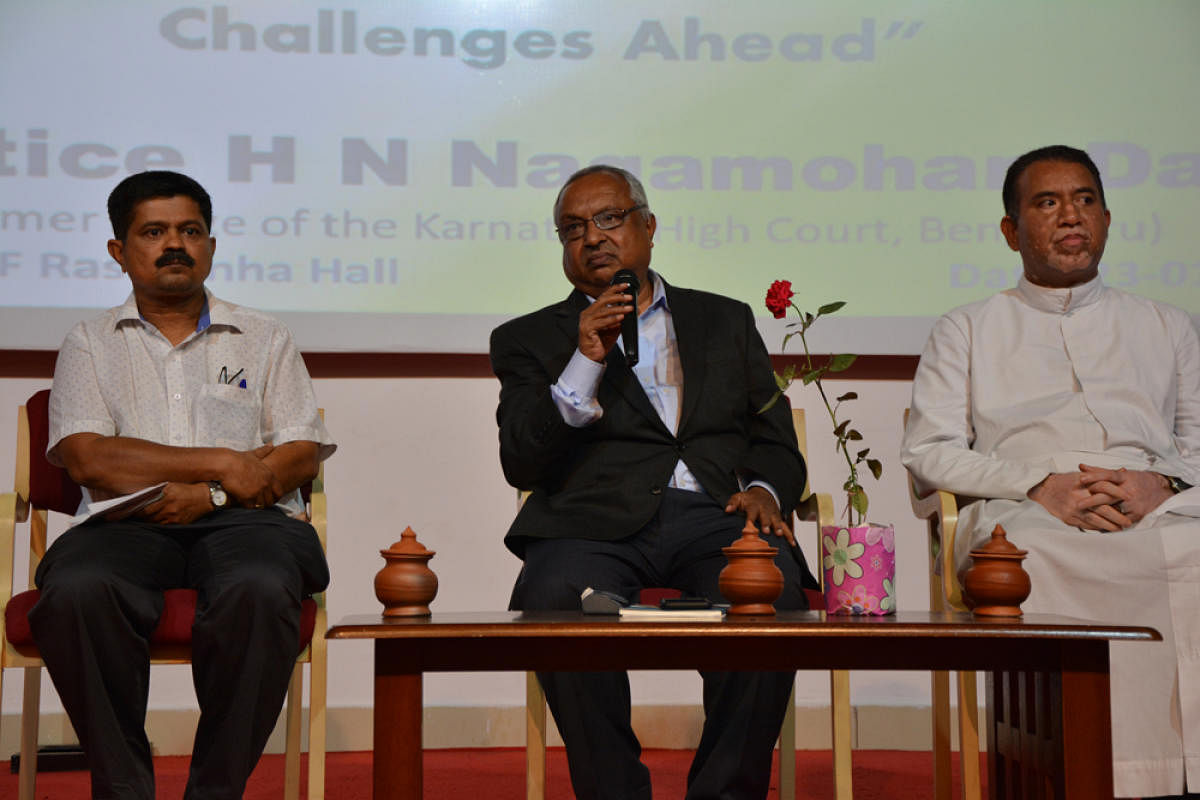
40	487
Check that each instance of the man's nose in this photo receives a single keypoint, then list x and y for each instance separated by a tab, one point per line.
592	233
1069	214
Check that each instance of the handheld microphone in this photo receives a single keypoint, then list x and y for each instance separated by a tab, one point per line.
629	325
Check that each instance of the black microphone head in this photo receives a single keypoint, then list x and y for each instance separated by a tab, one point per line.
627	276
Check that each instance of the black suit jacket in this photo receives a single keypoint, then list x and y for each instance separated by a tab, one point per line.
605	480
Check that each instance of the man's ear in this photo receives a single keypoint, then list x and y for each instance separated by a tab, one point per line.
1008	226
116	249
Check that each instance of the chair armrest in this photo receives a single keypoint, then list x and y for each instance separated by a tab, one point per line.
940	509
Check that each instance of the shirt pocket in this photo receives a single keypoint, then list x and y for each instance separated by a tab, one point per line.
227	416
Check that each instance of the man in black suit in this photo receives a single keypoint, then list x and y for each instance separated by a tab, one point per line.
641	475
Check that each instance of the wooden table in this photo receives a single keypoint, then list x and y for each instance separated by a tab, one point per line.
1048	690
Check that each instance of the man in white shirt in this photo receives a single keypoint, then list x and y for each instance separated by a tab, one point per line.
1075	407
212	399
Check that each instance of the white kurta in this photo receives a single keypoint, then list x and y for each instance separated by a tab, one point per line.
1033	381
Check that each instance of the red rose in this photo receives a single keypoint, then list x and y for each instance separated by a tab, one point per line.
779	297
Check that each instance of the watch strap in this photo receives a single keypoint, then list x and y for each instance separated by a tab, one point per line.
1177	485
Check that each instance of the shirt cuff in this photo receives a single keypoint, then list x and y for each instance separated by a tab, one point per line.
766	486
575	392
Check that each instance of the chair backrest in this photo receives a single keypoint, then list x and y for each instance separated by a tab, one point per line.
50	487
799	425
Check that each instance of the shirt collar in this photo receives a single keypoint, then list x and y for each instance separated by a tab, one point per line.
659	298
1060	301
215	311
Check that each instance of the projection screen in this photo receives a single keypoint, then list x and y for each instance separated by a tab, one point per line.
383	172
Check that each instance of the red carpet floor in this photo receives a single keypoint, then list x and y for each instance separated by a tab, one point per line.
499	774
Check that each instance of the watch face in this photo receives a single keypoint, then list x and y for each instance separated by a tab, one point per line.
219	498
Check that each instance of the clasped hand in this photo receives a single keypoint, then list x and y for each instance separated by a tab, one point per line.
1100	499
247	480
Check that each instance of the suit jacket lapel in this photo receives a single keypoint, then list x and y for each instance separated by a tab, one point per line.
691	335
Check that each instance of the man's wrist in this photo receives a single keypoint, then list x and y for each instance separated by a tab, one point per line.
1173	484
1037	487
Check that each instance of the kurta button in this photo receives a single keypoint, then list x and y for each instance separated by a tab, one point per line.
178	396
655	490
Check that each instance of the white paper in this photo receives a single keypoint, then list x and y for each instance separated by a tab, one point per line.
640	612
120	507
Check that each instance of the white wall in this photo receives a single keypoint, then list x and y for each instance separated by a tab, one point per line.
423	452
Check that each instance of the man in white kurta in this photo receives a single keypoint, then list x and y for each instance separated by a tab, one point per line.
1077	408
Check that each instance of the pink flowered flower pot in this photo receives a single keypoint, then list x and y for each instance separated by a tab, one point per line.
860	569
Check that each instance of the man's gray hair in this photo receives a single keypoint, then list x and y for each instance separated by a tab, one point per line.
636	192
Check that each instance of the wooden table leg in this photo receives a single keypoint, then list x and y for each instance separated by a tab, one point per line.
398	707
1051	731
1087	715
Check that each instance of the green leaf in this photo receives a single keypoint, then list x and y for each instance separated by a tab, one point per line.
858	501
808	319
815	375
841	362
853	435
785	380
861	454
829	308
848	396
840	429
770	403
876	467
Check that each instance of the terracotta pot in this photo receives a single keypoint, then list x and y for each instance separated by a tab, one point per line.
996	584
859	569
406	585
750	581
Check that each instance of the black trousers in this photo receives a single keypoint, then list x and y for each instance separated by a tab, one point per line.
102	586
681	549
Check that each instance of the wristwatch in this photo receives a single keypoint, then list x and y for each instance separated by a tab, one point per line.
217	494
1176	485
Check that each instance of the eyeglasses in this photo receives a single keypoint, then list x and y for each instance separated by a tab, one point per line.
605	221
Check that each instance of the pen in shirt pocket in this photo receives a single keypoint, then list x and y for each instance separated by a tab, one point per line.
227	379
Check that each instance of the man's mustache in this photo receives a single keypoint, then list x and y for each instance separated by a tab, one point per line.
175	257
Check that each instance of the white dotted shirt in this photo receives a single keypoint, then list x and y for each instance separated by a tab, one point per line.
238	381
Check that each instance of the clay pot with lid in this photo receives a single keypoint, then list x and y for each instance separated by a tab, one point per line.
750	581
996	584
406	585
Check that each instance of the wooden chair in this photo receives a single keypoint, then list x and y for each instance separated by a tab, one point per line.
939	509
40	487
812	508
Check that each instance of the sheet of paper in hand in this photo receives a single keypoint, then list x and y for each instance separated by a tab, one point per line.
120	507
